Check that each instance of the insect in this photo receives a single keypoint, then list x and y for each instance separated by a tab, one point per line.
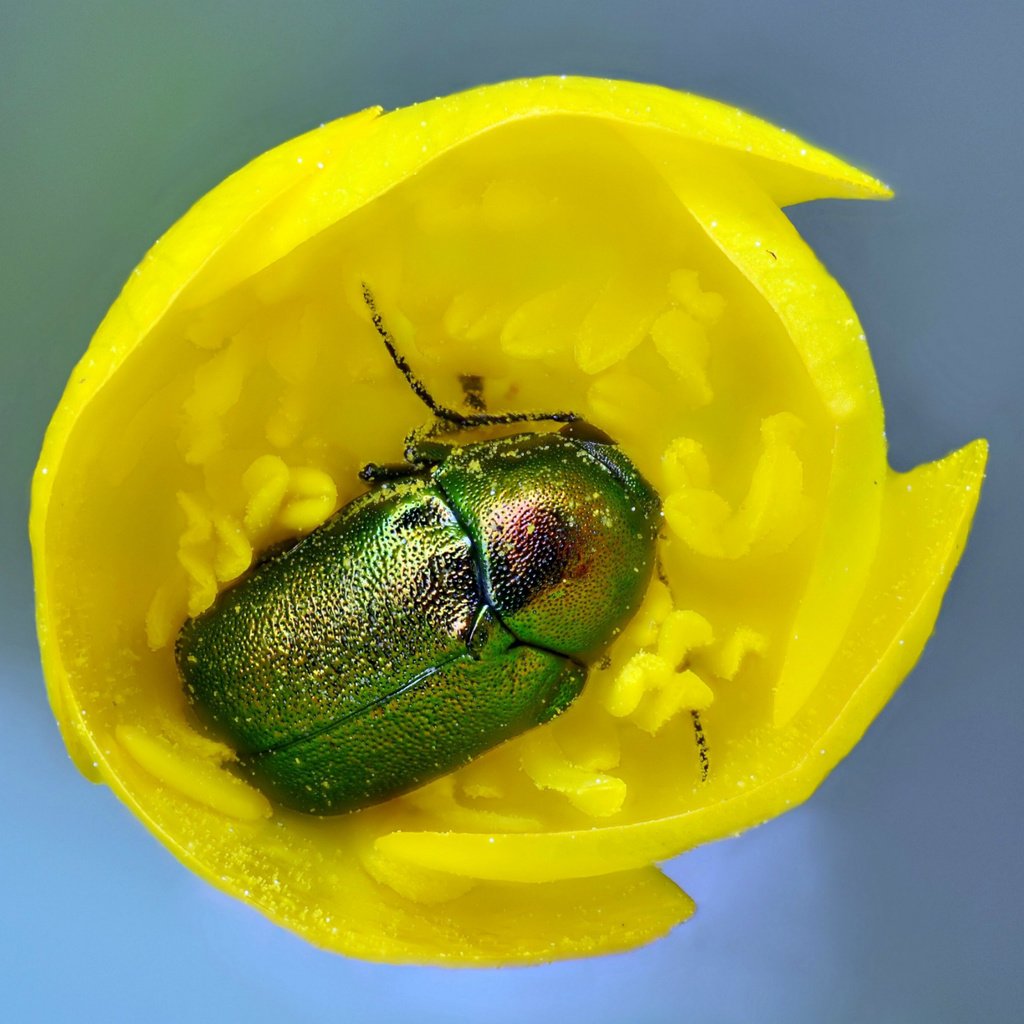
456	604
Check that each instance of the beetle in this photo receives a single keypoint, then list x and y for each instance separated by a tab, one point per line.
457	603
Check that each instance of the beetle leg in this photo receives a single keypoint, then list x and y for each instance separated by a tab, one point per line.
702	745
374	474
699	736
423	454
419	455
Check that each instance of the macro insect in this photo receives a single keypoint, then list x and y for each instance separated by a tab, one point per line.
457	603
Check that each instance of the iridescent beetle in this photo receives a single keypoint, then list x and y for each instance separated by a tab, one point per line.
456	604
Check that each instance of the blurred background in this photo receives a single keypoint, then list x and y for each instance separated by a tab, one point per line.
894	895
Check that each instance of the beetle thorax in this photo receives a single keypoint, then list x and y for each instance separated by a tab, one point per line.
564	540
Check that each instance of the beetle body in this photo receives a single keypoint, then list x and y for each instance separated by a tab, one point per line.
434	617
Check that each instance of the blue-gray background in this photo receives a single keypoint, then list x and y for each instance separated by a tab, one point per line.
895	895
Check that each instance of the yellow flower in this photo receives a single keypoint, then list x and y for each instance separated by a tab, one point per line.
612	248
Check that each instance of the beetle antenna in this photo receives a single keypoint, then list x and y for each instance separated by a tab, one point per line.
418	387
442	412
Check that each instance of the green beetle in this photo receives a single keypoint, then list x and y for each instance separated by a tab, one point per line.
453	606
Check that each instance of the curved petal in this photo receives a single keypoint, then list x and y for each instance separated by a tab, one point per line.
927	515
216	413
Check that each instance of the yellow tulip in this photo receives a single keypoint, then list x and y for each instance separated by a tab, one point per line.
606	247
